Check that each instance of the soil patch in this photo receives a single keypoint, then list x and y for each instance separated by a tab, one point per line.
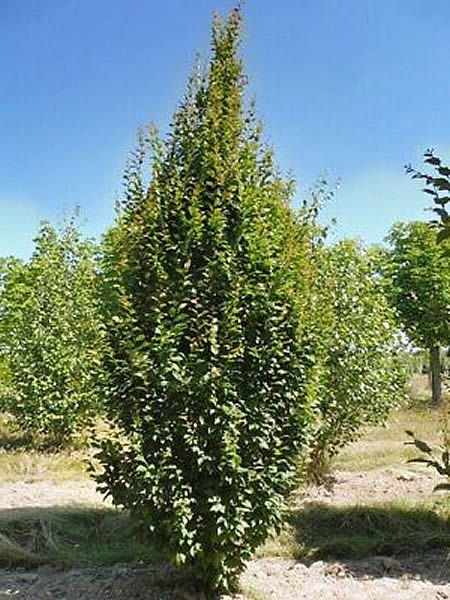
376	578
376	486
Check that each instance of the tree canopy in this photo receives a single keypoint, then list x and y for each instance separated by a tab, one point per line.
360	375
418	273
51	334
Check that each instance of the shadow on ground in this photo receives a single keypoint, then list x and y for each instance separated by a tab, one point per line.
377	541
71	535
356	541
11	440
82	552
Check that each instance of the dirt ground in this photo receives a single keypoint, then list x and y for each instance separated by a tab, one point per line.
376	578
381	485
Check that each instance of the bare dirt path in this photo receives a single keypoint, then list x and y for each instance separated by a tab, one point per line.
377	578
364	487
377	486
43	493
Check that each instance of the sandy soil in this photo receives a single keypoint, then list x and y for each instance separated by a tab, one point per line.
43	493
381	485
377	578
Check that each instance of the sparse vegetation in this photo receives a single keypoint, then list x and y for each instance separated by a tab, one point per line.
385	446
389	529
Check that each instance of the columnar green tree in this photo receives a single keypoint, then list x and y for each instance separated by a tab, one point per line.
206	288
360	378
51	334
417	269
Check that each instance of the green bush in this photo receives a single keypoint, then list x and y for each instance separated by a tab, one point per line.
51	336
359	366
206	293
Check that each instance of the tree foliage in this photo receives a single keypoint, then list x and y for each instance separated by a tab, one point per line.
6	263
417	270
206	285
438	187
420	282
50	334
360	378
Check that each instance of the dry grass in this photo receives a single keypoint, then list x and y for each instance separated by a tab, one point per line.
385	446
33	466
392	528
73	535
419	390
21	462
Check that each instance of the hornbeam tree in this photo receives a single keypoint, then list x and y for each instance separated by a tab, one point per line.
206	280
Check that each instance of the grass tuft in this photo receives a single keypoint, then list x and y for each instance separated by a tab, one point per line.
322	531
71	536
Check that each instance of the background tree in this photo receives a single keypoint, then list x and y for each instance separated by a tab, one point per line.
206	285
51	334
418	273
360	378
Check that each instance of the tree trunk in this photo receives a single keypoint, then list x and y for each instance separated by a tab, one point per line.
435	370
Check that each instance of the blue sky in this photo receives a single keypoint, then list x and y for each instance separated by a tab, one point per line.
350	89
